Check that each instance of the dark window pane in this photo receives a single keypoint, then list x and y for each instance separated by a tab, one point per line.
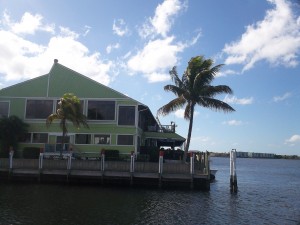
83	139
38	109
101	110
125	139
4	107
40	138
126	115
59	139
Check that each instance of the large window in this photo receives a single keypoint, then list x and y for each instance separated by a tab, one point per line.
101	110
126	115
38	109
83	139
102	139
40	138
125	139
4	108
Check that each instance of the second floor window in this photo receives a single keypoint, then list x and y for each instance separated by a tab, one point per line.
38	109
126	115
101	110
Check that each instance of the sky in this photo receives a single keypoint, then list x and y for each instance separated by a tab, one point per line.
131	45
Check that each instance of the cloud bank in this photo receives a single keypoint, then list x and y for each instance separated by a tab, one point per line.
275	39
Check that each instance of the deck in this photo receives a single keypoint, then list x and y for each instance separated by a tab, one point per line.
106	172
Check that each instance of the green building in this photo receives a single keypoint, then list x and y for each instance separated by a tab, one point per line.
115	120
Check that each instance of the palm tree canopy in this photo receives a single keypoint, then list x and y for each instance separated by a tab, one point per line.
194	88
69	109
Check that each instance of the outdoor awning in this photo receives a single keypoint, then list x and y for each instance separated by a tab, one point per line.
165	139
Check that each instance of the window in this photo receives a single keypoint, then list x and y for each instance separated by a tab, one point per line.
125	139
40	138
59	139
38	109
101	110
4	107
26	138
83	139
126	115
102	139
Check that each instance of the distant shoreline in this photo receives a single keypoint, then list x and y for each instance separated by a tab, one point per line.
226	155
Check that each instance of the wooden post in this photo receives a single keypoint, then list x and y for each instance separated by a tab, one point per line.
192	169
192	163
11	155
102	160
41	157
131	167
132	162
233	177
160	166
102	165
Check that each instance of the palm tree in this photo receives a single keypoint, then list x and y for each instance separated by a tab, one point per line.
69	109
194	88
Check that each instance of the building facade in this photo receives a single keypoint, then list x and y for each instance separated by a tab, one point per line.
115	120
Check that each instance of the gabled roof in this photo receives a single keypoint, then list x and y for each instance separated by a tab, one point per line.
61	80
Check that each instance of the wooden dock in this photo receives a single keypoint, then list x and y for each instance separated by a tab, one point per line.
154	174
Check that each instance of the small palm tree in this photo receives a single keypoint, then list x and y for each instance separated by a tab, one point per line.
69	109
194	88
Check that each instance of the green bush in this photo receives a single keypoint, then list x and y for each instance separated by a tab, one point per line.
31	153
112	155
3	154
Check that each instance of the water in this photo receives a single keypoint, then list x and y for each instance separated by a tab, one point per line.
269	193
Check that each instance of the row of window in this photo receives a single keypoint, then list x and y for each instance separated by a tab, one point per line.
101	139
95	110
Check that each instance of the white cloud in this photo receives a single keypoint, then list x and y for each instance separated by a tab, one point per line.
87	30
163	19
119	27
226	72
21	58
275	39
179	113
29	24
235	100
109	48
156	57
293	140
281	98
232	122
157	77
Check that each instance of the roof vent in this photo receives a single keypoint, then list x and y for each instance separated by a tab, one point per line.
55	60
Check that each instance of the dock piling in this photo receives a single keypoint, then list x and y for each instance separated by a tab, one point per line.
233	177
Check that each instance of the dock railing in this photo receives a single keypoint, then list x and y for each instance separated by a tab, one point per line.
200	166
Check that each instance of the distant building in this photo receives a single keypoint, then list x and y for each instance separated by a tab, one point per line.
254	155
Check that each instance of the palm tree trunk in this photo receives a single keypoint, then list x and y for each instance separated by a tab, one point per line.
63	137
188	140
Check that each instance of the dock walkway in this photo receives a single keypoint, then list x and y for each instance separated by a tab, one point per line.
105	172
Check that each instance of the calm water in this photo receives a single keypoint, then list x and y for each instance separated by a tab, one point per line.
269	193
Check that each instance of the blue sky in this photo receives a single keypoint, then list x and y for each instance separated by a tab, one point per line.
131	45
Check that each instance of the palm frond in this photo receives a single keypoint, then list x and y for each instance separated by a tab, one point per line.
215	104
172	106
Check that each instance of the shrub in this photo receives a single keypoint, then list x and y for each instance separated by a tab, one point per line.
111	155
31	153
